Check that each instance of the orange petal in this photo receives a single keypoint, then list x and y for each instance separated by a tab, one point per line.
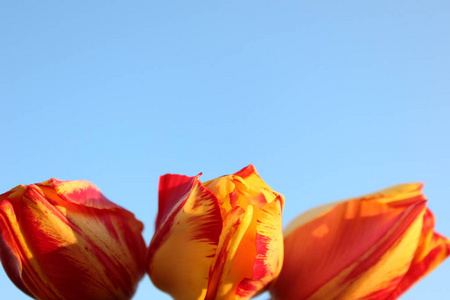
223	277
256	190
256	252
186	237
248	255
269	249
354	249
243	188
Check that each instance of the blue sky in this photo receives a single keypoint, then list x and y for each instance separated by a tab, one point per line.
328	99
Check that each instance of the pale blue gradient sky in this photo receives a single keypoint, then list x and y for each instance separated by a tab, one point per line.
328	99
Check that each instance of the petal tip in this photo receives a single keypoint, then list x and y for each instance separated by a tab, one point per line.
246	171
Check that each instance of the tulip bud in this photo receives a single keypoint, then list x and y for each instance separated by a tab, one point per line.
371	247
65	240
217	240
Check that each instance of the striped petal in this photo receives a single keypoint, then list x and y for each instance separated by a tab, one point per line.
245	185
11	240
187	233
229	263
355	249
433	248
258	256
57	233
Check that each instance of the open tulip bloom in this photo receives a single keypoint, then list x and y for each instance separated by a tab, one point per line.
221	239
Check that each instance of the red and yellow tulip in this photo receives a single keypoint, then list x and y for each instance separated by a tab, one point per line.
218	240
372	247
65	240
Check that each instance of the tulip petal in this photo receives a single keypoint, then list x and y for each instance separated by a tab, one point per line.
256	260
9	246
245	185
259	192
79	192
187	233
248	253
433	249
399	195
269	244
111	236
89	215
332	251
222	282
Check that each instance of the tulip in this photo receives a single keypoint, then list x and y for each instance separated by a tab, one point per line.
218	240
371	247
65	240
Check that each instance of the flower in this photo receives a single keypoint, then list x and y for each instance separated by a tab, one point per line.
218	240
371	247
65	240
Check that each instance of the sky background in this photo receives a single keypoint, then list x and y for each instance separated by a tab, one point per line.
328	99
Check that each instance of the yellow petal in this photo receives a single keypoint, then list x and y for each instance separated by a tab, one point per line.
258	257
223	277
433	249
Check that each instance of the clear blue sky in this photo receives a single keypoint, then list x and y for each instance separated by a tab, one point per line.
328	99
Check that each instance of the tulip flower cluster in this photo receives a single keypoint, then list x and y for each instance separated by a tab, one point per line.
221	239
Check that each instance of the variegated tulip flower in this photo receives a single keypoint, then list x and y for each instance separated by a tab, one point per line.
371	247
218	240
64	240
